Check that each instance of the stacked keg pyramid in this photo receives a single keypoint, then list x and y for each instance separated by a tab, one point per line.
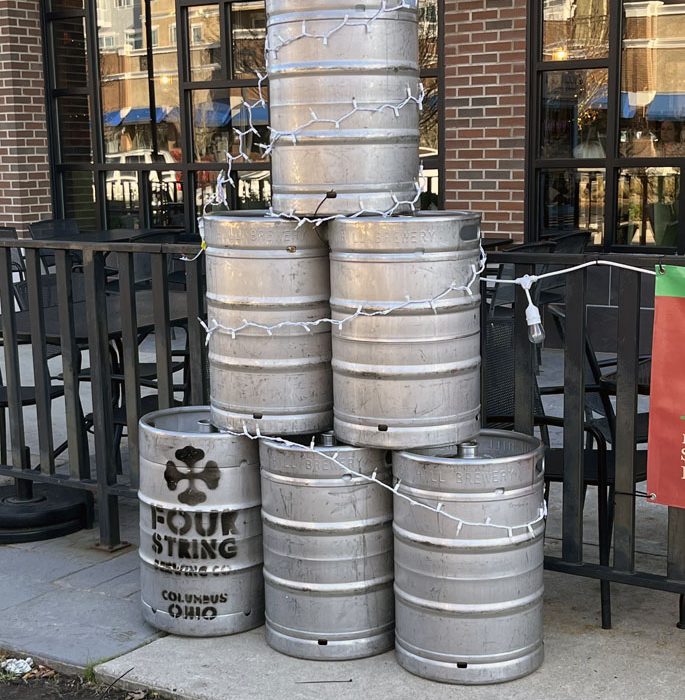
351	349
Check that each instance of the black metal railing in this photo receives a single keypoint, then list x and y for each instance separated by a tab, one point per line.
103	316
84	309
621	568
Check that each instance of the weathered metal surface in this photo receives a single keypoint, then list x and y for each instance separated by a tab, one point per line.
268	271
327	552
469	602
200	526
367	157
409	378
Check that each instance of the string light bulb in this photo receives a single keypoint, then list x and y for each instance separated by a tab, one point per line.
536	331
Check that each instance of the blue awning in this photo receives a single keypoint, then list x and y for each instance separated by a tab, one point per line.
212	114
600	101
667	105
260	115
141	115
115	117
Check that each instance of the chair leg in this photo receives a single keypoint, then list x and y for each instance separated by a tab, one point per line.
118	434
604	517
681	608
3	437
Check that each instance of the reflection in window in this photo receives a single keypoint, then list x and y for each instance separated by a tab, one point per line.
204	42
253	190
575	29
572	200
428	120
248	33
73	118
652	85
217	113
428	33
79	196
574	121
166	195
648	206
129	125
69	46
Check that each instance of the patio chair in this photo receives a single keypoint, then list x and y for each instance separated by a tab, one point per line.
501	297
553	289
55	229
18	264
499	400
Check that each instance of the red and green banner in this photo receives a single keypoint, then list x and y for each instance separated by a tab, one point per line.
666	455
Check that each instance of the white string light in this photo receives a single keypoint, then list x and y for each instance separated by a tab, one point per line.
439	509
395	107
398	206
476	270
324	37
536	332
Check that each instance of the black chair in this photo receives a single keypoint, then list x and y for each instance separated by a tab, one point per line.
552	290
55	229
499	400
18	264
501	296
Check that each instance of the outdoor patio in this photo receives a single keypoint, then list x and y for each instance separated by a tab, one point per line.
75	606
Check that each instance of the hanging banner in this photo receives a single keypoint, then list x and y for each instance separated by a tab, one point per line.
666	455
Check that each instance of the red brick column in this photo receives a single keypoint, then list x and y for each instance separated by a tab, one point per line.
485	97
24	162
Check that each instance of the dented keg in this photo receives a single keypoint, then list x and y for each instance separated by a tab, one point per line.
328	563
411	377
200	526
268	271
370	159
469	597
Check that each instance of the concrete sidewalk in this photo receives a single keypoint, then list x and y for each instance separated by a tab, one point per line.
67	603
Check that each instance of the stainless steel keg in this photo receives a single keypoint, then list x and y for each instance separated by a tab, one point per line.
408	378
268	271
200	526
314	82
469	597
327	551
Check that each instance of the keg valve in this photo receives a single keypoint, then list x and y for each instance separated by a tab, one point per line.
205	426
327	439
467	450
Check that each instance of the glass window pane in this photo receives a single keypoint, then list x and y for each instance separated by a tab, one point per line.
575	29
648	206
428	120
69	46
204	42
166	192
216	115
428	33
253	190
653	91
573	200
73	119
248	32
430	197
79	196
574	123
122	200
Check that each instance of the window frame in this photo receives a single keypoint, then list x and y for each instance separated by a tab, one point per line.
613	163
187	168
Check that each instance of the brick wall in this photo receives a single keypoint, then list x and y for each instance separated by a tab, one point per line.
485	94
24	163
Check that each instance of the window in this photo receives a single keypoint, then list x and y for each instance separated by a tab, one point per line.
133	39
164	128
610	105
106	42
